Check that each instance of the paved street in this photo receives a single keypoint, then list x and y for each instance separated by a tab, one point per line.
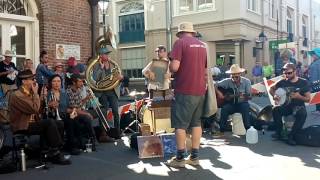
270	160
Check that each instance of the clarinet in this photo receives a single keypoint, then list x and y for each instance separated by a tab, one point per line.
45	114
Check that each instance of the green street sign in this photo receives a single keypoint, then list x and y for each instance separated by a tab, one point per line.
273	45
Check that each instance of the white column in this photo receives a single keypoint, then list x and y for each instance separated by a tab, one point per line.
237	52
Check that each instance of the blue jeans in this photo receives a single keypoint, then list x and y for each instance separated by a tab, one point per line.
229	109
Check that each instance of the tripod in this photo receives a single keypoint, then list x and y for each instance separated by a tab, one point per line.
135	122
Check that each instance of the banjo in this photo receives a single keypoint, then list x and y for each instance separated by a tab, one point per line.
282	95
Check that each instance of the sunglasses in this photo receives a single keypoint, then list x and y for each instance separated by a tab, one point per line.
288	73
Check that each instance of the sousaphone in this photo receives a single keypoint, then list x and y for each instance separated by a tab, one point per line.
111	81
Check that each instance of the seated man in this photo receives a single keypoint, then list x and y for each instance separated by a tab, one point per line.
299	95
237	99
78	114
23	104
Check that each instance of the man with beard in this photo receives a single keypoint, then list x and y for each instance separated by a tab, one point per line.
300	94
238	101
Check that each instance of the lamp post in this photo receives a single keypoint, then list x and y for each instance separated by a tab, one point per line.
103	5
262	38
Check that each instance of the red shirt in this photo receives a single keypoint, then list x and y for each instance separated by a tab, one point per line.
190	77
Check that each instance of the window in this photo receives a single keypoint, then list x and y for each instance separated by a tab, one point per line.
189	6
131	23
131	28
253	5
304	27
289	20
17	7
133	62
273	9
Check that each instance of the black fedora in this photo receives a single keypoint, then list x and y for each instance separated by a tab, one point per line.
25	74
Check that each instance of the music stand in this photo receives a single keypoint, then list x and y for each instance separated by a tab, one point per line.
135	121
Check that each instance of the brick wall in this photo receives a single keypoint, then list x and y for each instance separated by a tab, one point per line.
65	22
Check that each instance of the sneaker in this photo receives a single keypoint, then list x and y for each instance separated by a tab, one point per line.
192	162
174	162
217	134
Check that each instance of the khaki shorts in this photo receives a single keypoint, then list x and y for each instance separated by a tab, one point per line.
186	111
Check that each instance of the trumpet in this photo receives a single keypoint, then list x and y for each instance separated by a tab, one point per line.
97	108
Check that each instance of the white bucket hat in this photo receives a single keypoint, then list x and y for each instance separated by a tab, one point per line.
185	27
235	68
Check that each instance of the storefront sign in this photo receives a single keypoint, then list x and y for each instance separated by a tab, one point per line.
274	44
64	51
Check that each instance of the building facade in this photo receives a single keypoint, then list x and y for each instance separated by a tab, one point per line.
62	28
231	29
242	31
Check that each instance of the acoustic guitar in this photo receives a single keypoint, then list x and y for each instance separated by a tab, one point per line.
230	97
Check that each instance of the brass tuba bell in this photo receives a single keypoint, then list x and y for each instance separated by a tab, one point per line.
111	81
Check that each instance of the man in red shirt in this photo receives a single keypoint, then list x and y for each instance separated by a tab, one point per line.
189	62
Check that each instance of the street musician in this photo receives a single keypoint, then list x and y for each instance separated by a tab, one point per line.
299	95
25	102
157	72
237	100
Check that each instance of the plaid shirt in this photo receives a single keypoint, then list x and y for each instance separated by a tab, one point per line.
74	98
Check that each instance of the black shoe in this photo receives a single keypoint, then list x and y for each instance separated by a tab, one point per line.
60	159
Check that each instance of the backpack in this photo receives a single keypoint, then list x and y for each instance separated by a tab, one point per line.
309	136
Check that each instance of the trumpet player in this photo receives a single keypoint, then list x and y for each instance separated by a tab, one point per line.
25	102
110	97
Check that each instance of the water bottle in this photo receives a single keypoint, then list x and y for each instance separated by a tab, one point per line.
23	160
252	136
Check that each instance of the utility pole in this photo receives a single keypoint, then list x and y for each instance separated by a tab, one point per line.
169	24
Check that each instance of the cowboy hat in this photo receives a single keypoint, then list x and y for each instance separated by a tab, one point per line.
185	27
235	68
8	53
25	74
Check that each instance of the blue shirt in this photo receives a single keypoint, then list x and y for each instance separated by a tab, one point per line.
314	71
43	73
245	85
257	71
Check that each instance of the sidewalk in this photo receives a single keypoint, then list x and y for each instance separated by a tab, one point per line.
267	160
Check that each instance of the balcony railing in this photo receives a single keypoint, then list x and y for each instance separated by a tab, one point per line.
131	36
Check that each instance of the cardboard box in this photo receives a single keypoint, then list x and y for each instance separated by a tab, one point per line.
144	129
149	146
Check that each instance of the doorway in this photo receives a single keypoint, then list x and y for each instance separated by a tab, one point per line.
15	36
